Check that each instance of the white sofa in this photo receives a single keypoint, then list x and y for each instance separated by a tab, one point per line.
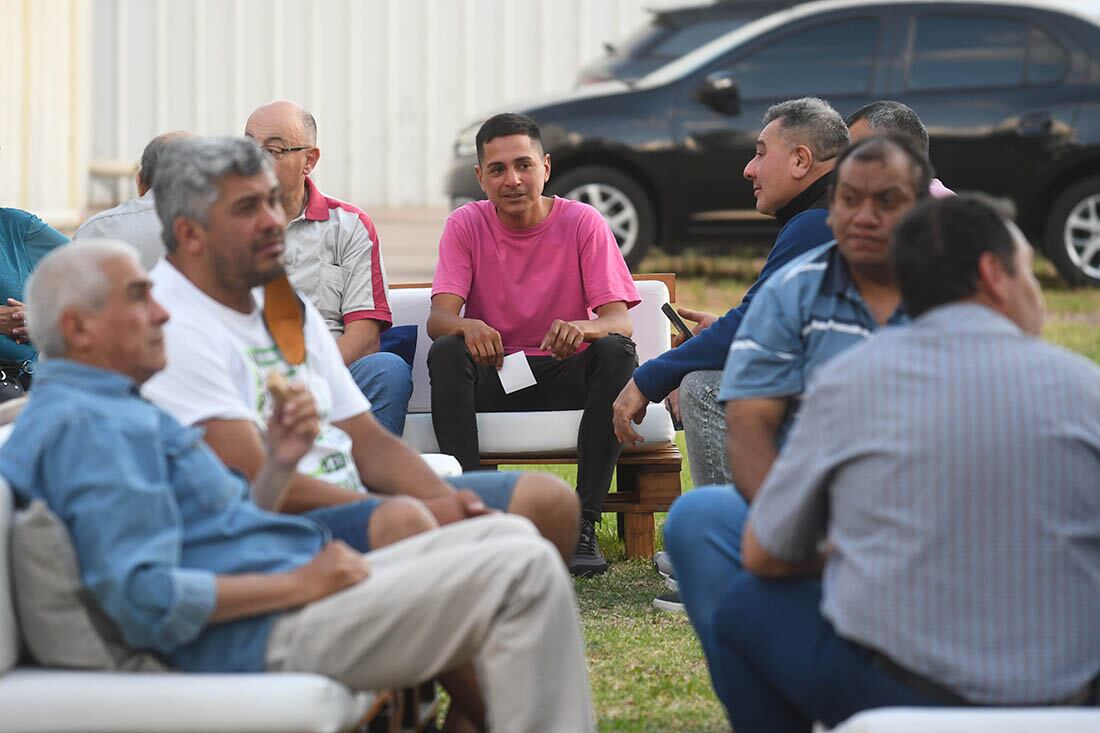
554	432
38	700
973	720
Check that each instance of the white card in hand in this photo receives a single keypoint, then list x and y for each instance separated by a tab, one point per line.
516	373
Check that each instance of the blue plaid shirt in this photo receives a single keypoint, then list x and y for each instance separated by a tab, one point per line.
806	314
153	514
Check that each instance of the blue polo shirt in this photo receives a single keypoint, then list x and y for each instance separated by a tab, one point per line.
806	314
153	514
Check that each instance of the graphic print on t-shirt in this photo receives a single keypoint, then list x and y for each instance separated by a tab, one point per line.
330	458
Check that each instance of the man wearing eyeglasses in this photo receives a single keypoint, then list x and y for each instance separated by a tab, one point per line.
334	258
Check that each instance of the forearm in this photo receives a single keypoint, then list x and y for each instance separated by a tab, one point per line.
271	485
443	323
389	466
605	325
305	493
252	594
759	561
360	338
750	443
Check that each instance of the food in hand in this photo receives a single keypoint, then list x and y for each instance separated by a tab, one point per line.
278	387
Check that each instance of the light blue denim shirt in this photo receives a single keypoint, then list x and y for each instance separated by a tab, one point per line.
806	314
153	514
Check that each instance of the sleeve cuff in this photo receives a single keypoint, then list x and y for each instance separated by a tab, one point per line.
631	300
384	317
196	595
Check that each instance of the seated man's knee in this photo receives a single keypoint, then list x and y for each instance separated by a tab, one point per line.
698	388
698	511
615	347
552	505
397	518
383	374
448	352
614	359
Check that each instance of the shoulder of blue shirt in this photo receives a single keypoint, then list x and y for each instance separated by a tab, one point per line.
707	350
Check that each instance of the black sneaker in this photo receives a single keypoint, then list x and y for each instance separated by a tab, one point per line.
587	560
669	602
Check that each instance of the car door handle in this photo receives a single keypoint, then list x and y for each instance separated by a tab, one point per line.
1032	124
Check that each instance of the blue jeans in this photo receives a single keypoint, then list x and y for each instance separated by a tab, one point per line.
386	380
703	538
348	522
778	665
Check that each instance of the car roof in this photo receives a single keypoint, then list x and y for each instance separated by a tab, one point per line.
1087	10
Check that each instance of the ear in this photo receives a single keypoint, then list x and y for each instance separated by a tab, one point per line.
142	189
478	173
802	160
312	156
993	279
546	165
189	235
74	328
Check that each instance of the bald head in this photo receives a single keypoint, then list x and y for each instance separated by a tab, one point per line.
151	155
285	123
288	133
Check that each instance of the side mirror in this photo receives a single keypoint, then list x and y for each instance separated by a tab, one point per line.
721	93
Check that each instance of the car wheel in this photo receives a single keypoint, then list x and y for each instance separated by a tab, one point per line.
621	201
1073	233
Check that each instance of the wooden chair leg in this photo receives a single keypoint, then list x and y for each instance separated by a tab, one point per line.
639	534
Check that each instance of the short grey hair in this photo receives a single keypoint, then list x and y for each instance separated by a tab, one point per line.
309	126
70	276
151	155
887	115
189	170
811	122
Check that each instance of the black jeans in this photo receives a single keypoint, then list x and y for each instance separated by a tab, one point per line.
589	381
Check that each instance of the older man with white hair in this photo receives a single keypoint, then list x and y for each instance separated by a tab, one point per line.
173	548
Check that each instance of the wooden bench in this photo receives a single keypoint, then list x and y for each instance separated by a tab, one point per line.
648	480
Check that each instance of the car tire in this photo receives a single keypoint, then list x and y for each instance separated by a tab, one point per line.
622	202
1073	233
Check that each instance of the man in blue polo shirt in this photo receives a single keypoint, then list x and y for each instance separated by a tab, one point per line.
827	301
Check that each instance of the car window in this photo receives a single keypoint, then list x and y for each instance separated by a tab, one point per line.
691	37
829	59
640	39
955	52
1047	61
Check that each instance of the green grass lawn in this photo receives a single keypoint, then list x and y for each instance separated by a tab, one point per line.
645	666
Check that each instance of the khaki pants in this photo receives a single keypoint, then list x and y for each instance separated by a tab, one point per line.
487	590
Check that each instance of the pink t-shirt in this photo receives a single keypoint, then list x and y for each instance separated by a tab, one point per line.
519	280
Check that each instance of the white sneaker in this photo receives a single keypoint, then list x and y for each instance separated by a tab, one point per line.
669	602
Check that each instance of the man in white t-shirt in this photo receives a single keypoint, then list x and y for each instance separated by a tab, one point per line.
224	226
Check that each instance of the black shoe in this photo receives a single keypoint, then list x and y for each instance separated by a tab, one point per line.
669	602
587	560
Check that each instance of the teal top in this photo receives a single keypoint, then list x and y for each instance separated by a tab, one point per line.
24	240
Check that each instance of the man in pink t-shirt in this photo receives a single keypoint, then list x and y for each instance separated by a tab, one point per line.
541	275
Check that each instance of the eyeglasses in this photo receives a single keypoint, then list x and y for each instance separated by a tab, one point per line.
278	153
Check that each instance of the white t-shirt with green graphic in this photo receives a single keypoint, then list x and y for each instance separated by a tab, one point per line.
218	360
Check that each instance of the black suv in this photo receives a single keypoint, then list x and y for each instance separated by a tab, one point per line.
1010	93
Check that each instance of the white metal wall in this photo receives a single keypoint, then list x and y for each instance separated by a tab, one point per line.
44	85
389	81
